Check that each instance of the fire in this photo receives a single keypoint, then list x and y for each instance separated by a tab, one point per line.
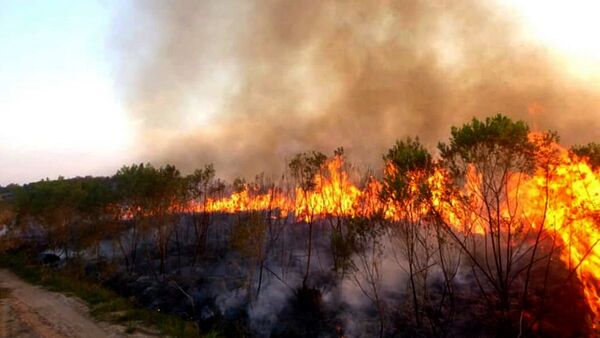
333	195
572	189
248	200
568	183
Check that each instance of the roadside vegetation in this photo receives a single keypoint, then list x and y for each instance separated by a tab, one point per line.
104	304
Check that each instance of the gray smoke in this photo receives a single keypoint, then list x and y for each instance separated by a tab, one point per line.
273	78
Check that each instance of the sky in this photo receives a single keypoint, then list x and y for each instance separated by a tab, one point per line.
62	108
59	112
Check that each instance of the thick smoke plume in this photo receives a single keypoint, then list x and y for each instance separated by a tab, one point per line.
245	84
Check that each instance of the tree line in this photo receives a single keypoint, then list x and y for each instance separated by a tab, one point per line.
514	268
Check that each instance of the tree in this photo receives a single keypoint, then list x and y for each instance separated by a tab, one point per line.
366	266
96	209
340	240
591	151
132	187
248	239
408	167
304	167
419	243
167	201
201	186
150	199
487	161
54	206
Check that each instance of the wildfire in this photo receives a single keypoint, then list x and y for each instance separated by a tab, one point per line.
248	200
333	194
562	197
572	191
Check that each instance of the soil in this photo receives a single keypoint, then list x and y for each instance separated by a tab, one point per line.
30	311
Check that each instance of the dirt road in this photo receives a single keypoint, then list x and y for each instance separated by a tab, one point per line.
29	311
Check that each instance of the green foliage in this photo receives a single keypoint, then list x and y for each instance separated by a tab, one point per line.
154	197
409	160
495	131
147	190
98	196
202	183
408	155
62	206
591	151
497	139
89	195
305	166
139	187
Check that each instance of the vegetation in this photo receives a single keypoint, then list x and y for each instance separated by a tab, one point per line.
104	303
591	151
303	168
444	248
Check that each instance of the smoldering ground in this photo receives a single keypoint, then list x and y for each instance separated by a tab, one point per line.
245	84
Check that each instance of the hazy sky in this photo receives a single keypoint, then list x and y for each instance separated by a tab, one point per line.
59	113
61	109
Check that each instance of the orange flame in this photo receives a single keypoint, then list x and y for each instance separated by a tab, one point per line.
572	189
568	183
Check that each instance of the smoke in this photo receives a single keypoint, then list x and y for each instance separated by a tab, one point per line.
246	84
